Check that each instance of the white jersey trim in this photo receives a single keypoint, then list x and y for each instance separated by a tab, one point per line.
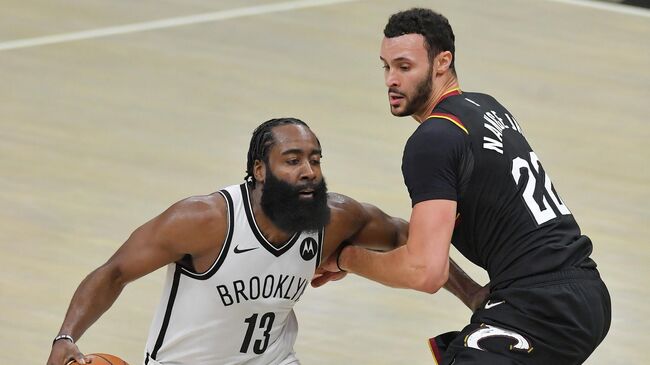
224	248
168	314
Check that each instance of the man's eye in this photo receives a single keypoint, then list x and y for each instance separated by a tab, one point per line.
293	162
404	67
315	162
385	67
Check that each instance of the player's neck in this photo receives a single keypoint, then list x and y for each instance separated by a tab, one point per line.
441	88
271	232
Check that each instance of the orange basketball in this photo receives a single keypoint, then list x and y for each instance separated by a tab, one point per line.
103	359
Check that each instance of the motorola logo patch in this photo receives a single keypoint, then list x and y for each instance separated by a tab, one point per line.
308	248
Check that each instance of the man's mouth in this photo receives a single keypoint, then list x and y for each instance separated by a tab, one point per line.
395	98
306	193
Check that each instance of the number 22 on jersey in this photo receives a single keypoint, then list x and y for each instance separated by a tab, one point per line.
541	211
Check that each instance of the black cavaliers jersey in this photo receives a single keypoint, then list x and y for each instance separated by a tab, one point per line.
511	220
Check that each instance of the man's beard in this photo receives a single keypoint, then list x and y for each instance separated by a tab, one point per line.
282	204
421	97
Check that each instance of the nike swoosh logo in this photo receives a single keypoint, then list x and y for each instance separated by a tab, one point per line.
489	305
237	250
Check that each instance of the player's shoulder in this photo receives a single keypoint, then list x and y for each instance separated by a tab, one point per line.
208	202
468	106
207	209
344	210
467	100
347	216
440	129
339	203
460	114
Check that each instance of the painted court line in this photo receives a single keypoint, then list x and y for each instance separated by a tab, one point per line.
617	8
167	23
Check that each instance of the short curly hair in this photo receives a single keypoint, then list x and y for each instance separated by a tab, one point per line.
434	27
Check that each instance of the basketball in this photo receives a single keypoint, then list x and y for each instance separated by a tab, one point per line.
103	359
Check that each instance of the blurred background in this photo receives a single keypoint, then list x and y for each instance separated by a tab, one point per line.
103	127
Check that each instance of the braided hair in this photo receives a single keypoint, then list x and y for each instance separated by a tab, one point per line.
262	141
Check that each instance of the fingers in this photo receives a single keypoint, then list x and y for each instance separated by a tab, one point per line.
329	265
318	281
66	353
322	279
338	275
80	358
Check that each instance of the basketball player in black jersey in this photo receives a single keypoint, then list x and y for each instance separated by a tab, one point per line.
475	181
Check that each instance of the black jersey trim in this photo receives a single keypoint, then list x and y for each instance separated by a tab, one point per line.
450	117
224	249
321	241
276	251
168	313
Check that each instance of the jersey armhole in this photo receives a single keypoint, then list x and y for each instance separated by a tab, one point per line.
224	248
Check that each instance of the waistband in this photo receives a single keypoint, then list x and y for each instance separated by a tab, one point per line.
568	274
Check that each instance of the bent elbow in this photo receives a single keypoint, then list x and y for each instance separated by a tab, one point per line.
431	281
431	286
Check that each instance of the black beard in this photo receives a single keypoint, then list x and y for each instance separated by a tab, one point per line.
421	97
282	204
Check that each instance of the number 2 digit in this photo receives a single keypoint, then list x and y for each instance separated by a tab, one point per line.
541	212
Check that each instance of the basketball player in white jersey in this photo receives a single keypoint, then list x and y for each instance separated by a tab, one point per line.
239	259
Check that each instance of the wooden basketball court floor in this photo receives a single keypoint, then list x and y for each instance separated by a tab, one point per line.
100	133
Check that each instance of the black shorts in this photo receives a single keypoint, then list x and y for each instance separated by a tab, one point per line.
557	318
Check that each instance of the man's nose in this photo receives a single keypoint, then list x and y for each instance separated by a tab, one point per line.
307	172
391	79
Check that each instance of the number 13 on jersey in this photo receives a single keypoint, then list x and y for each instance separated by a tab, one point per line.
266	324
540	210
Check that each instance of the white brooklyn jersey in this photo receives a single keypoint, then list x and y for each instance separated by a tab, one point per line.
240	311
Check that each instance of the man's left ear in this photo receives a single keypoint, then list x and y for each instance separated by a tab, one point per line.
259	171
442	62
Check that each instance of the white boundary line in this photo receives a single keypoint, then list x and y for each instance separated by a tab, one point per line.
617	8
167	23
242	12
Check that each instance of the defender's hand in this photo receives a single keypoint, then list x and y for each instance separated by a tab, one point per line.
329	270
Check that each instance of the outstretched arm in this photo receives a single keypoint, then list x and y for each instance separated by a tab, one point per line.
421	264
354	223
382	232
414	264
153	245
377	230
